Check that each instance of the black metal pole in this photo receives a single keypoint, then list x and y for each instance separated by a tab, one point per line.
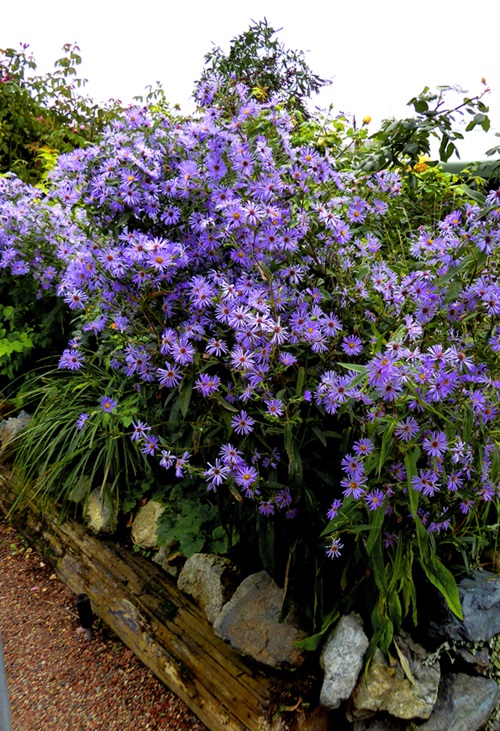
5	720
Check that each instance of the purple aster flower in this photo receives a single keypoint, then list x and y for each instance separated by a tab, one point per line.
207	384
478	401
274	407
399	471
246	476
96	326
382	370
280	335
334	509
231	456
82	420
425	482
216	474
352	466
72	359
266	507
167	460
140	430
242	423
465	506
216	346
242	359
390	390
182	351
494	341
108	404
455	481
441	385
287	359
180	463
353	487
352	345
374	499
487	492
363	447
435	443
169	376
76	299
150	444
390	539
335	548
406	429
283	498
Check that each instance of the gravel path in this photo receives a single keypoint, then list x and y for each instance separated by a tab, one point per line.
58	681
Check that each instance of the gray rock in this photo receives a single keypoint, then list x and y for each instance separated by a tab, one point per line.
100	511
79	491
341	660
10	429
210	580
479	659
464	704
145	524
169	558
390	689
250	623
480	598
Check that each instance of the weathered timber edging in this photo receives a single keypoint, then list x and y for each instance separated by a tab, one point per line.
168	632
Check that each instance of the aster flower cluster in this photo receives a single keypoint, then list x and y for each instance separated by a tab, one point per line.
251	283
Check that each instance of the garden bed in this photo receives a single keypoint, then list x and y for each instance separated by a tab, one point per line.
168	632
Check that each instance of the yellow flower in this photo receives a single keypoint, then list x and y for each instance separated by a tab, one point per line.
421	165
367	119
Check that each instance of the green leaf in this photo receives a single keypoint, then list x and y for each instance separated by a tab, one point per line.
386	446
411	459
377	561
355	367
394	609
474	194
300	380
312	643
185	396
468	422
421	106
225	404
443	580
319	434
405	664
376	523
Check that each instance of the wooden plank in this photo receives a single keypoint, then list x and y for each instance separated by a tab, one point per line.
168	632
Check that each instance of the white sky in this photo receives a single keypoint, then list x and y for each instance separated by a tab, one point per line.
379	53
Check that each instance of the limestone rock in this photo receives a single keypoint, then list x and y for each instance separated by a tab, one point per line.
249	622
386	688
480	598
464	704
79	491
342	660
101	512
145	524
10	430
210	580
169	558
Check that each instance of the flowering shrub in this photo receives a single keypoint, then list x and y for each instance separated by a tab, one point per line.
325	367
